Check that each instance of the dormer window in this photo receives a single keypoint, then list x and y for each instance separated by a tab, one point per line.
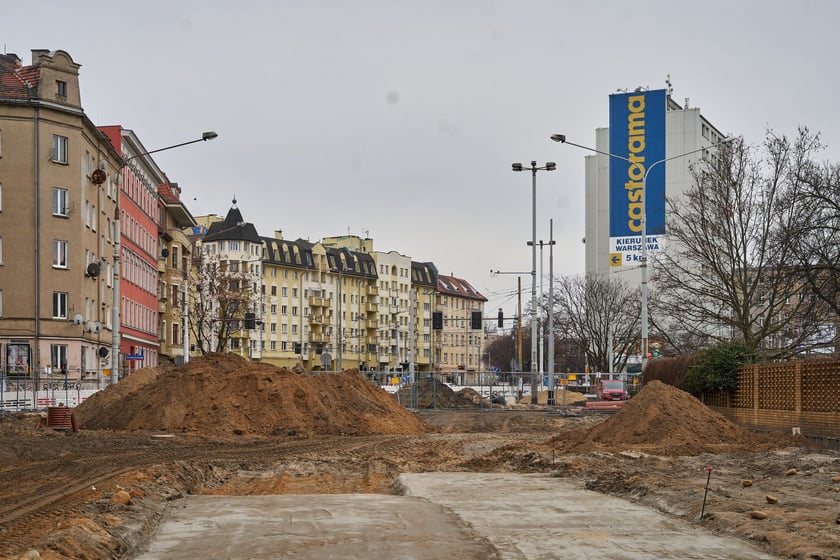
61	88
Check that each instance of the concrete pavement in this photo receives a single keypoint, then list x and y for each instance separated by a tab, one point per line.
441	516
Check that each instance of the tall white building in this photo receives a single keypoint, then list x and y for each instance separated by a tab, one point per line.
633	117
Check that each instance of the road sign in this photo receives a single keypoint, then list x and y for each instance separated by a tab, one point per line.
135	357
615	259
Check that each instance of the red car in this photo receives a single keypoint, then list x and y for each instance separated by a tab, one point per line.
612	391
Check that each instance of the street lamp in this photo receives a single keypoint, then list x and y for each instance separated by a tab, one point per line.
644	318
115	311
549	166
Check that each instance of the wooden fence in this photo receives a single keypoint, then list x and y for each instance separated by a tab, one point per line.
784	396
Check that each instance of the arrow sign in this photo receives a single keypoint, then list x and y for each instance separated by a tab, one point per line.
615	259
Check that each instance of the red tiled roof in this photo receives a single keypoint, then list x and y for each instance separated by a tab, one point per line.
457	287
16	81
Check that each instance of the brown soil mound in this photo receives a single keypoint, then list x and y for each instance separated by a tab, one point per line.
572	398
222	394
664	419
431	393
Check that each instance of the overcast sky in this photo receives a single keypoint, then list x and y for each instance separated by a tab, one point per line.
399	120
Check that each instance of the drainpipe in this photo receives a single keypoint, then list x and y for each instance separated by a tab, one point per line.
36	362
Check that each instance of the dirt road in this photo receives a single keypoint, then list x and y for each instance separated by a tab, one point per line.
100	494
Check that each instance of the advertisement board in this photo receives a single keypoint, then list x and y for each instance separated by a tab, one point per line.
637	136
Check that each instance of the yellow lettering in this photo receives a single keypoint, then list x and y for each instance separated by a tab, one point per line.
636	103
636	144
636	169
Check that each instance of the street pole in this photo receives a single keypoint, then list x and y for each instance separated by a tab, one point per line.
549	166
551	394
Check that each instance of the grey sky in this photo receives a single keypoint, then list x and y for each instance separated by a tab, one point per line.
399	120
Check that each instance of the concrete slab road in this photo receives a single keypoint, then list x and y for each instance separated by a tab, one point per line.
459	516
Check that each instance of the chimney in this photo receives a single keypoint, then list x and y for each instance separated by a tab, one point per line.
278	234
37	54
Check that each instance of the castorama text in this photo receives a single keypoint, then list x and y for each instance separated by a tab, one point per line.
637	133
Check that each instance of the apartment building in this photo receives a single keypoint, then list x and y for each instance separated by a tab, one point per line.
424	282
461	341
225	285
292	320
58	196
174	222
140	179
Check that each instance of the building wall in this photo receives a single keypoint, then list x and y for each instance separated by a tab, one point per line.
29	175
394	272
686	130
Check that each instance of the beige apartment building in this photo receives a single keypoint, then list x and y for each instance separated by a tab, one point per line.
460	345
58	196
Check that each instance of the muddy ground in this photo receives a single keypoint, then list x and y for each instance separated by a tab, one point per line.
101	492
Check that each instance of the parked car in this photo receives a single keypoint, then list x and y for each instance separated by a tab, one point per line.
612	390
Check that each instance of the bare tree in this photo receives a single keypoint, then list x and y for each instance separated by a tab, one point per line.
223	292
816	233
729	271
595	310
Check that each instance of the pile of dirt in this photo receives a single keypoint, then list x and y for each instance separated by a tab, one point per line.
223	394
665	420
573	398
431	393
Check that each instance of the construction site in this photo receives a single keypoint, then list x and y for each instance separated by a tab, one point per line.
102	482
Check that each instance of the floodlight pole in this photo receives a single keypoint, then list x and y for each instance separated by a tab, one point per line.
549	166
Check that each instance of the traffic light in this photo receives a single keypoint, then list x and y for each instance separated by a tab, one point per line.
501	318
250	321
475	320
437	320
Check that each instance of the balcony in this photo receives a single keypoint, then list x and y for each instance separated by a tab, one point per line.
371	307
372	291
316	319
317	301
318	337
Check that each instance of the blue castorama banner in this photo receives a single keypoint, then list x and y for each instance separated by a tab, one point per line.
637	133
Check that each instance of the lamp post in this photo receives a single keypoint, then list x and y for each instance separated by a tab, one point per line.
115	311
549	166
644	273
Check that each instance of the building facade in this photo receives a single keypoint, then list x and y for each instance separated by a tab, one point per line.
460	345
140	251
174	223
685	130
58	196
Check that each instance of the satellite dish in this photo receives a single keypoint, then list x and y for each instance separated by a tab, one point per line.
78	319
98	176
164	253
93	269
103	352
97	327
90	326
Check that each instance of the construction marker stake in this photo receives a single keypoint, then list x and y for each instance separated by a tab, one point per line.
706	493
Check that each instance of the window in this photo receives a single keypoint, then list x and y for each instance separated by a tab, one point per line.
59	305
61	88
1	302
60	206
234	245
284	291
1	250
175	259
59	253
274	290
59	149
176	332
58	355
